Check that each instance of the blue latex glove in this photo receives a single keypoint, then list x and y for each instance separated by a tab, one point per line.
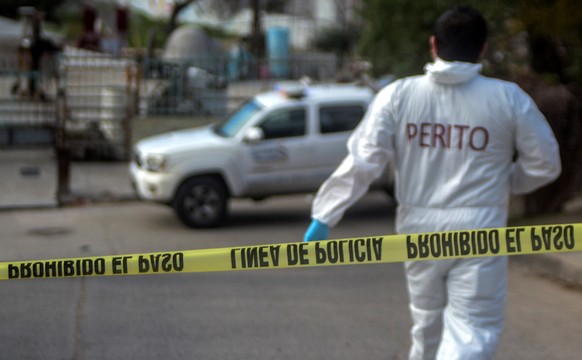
316	231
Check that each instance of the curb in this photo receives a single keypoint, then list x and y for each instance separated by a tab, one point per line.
78	199
565	268
558	267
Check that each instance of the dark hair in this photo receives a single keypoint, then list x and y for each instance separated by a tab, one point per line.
460	34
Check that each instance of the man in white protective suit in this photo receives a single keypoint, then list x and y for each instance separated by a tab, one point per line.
460	144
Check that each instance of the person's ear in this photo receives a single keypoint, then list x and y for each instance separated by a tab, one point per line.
433	47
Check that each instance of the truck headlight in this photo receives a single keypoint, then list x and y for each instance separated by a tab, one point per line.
155	163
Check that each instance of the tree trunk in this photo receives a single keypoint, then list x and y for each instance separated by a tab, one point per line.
173	22
563	111
256	41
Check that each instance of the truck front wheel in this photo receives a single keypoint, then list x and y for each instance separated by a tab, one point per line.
202	202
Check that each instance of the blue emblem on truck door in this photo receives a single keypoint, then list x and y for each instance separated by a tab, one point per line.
270	154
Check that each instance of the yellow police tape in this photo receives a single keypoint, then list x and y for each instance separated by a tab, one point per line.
366	250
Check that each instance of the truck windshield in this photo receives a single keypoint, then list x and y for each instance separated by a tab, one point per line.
232	124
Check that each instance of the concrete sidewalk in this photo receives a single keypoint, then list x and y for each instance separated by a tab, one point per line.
565	267
100	182
109	182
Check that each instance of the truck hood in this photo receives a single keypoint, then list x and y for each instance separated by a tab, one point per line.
178	141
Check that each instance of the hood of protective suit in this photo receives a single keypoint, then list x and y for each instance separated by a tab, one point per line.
454	72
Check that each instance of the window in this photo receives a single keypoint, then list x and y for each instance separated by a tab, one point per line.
235	122
284	123
339	118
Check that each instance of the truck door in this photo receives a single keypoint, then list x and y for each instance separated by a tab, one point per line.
336	123
278	163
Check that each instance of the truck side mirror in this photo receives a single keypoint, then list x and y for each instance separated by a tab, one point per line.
253	135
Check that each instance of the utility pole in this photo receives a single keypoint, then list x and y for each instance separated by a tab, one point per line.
256	38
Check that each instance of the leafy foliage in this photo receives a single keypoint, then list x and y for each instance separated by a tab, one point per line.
555	37
337	39
9	8
395	37
525	38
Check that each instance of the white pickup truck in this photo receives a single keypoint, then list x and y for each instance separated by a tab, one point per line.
285	141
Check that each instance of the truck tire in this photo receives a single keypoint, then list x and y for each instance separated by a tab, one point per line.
202	202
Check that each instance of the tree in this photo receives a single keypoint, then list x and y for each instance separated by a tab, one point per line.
553	77
9	8
396	32
554	31
340	40
176	10
225	8
537	43
564	113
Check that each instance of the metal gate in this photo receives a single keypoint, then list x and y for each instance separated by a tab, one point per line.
78	108
28	134
99	93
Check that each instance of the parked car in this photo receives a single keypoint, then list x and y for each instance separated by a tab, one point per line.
285	141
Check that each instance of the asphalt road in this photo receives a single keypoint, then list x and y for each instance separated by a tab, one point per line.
349	312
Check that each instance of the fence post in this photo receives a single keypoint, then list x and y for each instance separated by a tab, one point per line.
62	148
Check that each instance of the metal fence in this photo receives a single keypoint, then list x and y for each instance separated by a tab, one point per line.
98	93
183	87
27	105
82	105
204	86
89	100
28	133
80	101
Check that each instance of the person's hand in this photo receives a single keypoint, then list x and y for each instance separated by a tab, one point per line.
316	231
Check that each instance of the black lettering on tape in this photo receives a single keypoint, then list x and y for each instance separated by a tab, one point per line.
447	242
423	251
275	251
166	262
119	264
452	244
569	237
297	254
13	272
494	241
435	245
358	251
178	261
292	254
513	239
252	256
464	243
348	251
411	248
549	238
57	268
255	257
552	238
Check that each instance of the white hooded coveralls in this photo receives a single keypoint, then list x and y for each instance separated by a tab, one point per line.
460	144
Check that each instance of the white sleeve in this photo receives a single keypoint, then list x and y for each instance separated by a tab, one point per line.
370	148
538	157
